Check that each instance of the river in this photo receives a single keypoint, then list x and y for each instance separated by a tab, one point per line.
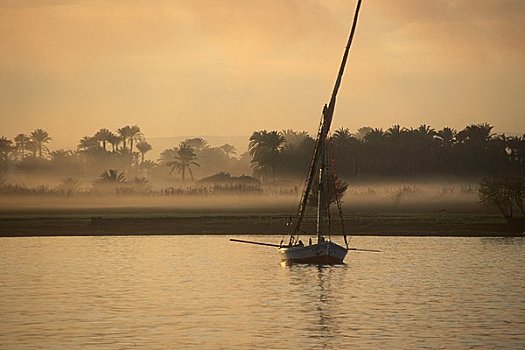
204	292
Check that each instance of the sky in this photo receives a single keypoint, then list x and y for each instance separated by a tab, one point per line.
230	67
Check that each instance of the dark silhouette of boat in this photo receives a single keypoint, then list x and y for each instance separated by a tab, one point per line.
321	173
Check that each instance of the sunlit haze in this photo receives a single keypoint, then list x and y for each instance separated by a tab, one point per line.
227	68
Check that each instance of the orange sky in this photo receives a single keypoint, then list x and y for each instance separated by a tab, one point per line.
229	67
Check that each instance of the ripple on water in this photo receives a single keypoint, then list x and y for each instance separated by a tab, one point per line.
205	292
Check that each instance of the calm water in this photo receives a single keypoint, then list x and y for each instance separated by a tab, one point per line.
197	292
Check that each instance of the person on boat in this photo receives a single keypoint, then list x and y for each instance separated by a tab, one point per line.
310	241
301	244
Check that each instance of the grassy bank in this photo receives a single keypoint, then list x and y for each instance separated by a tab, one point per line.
118	222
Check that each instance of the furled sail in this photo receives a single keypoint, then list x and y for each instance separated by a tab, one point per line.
324	128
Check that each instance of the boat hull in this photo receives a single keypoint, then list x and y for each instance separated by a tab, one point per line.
322	253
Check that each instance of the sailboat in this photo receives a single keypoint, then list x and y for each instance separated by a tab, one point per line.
324	251
321	172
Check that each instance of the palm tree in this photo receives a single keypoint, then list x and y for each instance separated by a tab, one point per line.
115	141
6	147
447	156
88	143
21	141
124	134
183	161
111	176
32	147
134	136
473	145
362	132
40	137
61	155
266	148
294	138
426	131
476	133
395	134
342	136
347	151
143	147
168	155
376	153
229	149
197	143
104	136
447	136
140	184
374	136
516	151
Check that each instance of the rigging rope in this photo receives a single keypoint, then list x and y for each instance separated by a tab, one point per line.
337	196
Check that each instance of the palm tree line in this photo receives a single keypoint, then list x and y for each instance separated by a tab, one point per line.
396	153
123	150
34	144
369	153
122	141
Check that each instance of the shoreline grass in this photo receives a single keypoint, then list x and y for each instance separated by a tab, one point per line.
93	223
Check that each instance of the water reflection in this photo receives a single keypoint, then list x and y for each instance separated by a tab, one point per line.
201	292
320	300
503	240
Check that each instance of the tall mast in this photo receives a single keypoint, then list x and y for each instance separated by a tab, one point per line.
328	112
321	196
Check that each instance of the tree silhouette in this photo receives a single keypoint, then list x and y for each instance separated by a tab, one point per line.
140	184
125	134
115	141
88	143
347	151
104	136
143	147
60	155
111	176
229	149
293	138
447	137
134	136
362	132
168	155
397	153
395	134
40	137
6	147
504	193
21	141
375	152
196	143
516	151
32	147
265	148
183	161
473	142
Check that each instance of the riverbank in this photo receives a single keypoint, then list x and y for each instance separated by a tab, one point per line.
97	223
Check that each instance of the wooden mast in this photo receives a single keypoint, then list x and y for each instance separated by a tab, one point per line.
324	128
